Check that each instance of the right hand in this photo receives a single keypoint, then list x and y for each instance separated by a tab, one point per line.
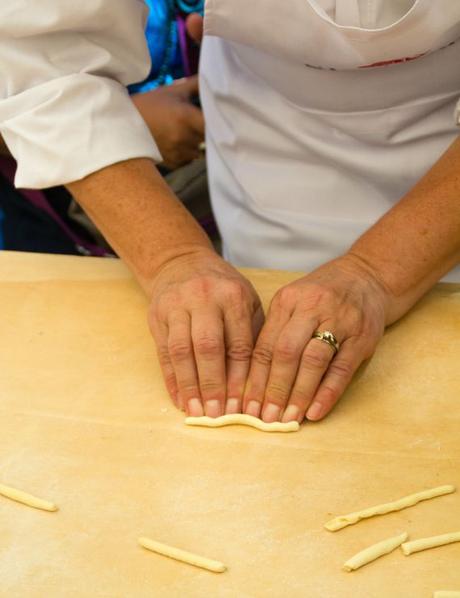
204	317
175	123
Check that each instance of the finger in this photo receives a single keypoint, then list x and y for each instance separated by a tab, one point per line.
314	362
160	334
285	365
180	349
209	348
239	341
261	361
339	374
195	27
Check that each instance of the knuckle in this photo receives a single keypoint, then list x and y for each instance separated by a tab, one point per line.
240	350
263	354
285	351
201	287
153	316
234	292
287	296
342	368
171	382
189	390
179	350
208	346
212	390
163	356
368	347
300	396
329	395
314	360
276	392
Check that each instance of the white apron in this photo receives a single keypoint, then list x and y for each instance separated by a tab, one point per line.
321	115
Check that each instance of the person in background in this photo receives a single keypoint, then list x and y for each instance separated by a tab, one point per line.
168	101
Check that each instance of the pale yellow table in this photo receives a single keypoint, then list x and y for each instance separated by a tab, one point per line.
85	421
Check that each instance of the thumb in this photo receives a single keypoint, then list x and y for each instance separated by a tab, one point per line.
195	27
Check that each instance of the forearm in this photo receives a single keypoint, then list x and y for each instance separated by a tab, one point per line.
417	241
140	216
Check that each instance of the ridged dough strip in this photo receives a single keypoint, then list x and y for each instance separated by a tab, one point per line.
242	420
389	507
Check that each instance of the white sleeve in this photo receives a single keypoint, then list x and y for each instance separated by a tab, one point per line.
64	65
457	114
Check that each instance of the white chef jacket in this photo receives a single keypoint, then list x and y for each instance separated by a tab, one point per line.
64	65
321	115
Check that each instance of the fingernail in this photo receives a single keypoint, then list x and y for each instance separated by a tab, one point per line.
195	408
233	406
291	413
253	408
271	413
213	408
315	412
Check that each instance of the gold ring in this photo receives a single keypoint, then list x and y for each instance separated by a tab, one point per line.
327	337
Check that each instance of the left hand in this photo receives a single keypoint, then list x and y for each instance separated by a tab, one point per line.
293	375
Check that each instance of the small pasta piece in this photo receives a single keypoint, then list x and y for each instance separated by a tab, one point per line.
374	552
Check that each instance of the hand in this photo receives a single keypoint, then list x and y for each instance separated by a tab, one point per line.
195	27
293	375
176	125
204	317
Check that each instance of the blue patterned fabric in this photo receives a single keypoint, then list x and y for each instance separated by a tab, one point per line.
163	41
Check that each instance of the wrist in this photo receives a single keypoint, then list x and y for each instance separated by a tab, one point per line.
364	267
176	259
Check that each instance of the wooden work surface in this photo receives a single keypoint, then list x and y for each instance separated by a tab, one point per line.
86	422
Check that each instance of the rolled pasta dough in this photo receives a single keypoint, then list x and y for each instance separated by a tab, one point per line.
374	552
383	509
432	542
27	499
446	594
242	420
182	555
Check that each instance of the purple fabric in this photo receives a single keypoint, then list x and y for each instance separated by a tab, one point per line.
38	199
182	33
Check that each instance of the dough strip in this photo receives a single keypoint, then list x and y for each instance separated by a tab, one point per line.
27	499
433	542
446	594
182	555
242	420
374	552
383	509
